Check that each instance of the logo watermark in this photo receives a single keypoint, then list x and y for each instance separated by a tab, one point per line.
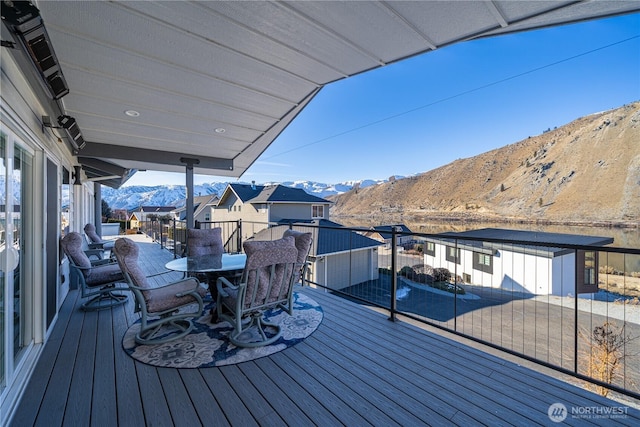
558	412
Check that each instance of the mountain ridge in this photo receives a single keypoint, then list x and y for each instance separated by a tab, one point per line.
583	172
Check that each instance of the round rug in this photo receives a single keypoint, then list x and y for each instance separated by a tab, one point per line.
207	344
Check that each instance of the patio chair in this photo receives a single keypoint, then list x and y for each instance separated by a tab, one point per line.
203	242
303	244
97	279
95	241
267	282
166	310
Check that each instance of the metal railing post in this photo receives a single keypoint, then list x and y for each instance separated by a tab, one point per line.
394	275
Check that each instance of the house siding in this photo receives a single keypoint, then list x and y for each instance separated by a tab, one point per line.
342	273
541	274
280	211
40	297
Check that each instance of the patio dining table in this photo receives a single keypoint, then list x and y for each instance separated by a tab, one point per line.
208	263
213	266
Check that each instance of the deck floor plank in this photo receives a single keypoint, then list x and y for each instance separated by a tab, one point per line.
297	392
180	404
358	368
295	366
128	400
203	400
239	409
281	405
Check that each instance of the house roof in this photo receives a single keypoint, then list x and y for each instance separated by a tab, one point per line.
154	209
385	230
555	239
555	244
326	241
283	194
278	193
218	81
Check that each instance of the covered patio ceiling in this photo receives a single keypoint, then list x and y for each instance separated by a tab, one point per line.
152	83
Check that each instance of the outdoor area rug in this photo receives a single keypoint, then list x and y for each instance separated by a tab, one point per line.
207	344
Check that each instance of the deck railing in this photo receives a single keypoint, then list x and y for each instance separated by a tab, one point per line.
573	308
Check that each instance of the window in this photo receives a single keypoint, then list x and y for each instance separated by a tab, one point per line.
317	211
453	254
587	280
430	248
207	217
483	262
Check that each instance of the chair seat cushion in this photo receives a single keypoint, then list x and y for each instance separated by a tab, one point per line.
164	298
103	274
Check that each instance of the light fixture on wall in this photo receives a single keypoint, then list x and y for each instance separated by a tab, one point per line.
77	175
24	20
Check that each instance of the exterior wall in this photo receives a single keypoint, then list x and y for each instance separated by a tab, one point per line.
202	215
512	271
564	274
255	217
349	268
279	211
37	303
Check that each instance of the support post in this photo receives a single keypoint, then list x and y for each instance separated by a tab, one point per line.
189	184
97	190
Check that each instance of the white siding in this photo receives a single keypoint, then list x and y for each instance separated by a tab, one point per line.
512	271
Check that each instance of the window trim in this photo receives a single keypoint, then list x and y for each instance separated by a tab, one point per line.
456	258
481	266
314	209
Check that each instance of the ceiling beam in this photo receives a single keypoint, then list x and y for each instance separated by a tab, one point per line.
109	151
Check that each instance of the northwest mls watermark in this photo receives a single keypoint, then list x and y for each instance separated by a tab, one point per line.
558	412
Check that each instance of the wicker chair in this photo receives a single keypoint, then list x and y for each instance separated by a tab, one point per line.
165	313
267	282
97	279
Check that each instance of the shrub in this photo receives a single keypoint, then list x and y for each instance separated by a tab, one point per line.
441	275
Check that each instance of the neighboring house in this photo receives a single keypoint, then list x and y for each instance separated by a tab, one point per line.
134	221
539	270
339	257
383	233
259	205
143	212
202	209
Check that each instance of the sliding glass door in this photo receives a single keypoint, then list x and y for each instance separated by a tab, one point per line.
16	253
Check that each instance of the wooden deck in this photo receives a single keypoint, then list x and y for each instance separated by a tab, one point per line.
357	369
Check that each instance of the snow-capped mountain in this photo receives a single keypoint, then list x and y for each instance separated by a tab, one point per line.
174	195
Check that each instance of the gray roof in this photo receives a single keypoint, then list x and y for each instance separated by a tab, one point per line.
273	193
385	230
555	239
331	238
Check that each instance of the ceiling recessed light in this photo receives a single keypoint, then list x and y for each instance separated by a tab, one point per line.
132	113
220	130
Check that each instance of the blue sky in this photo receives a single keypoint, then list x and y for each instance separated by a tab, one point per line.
459	101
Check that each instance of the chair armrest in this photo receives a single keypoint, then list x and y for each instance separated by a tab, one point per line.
94	252
227	284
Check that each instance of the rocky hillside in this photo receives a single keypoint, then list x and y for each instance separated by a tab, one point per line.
586	171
